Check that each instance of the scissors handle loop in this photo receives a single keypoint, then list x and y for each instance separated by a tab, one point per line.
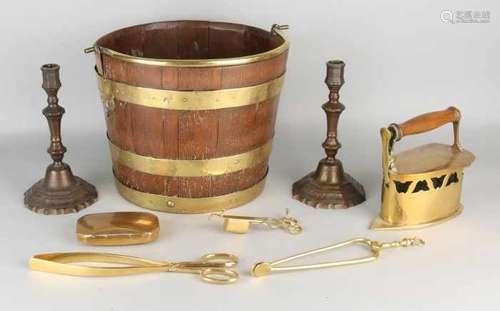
219	275
227	260
212	268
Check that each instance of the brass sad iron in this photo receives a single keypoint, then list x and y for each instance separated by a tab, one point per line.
421	186
241	224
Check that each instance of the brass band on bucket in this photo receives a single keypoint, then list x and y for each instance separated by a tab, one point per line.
189	205
210	62
188	100
191	168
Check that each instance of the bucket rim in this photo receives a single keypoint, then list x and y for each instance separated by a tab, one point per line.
206	62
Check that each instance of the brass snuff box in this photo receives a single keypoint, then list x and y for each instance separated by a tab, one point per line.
117	228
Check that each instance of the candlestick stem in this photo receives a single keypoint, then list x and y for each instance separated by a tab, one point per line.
60	192
329	186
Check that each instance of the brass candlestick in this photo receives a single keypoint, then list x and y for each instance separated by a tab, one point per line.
60	192
329	186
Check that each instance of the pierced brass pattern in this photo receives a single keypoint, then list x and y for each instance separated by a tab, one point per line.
421	186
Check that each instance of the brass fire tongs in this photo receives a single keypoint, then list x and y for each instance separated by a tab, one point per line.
264	268
213	268
241	224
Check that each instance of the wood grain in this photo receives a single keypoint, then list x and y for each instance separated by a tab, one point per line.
191	135
428	121
185	134
194	79
191	187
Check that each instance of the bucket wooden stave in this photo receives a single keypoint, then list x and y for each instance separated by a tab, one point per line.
190	111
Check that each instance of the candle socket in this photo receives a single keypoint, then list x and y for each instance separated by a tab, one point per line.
59	192
329	186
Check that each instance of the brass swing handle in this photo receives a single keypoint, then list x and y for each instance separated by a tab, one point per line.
426	122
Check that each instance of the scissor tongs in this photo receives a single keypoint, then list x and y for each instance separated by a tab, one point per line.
212	268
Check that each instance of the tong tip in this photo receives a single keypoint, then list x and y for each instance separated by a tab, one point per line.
260	269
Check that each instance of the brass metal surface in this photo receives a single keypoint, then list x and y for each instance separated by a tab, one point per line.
189	205
264	268
329	186
191	168
421	186
187	100
241	224
382	225
117	228
213	268
432	158
59	192
213	62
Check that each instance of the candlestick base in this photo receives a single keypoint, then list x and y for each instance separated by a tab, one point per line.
60	192
328	187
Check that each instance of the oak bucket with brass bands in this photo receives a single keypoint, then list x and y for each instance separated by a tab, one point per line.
421	186
190	109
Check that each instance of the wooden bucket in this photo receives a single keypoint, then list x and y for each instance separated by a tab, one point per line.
190	110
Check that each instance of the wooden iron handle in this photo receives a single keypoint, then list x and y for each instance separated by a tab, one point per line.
426	122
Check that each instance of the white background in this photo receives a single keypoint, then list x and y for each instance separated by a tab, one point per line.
402	60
